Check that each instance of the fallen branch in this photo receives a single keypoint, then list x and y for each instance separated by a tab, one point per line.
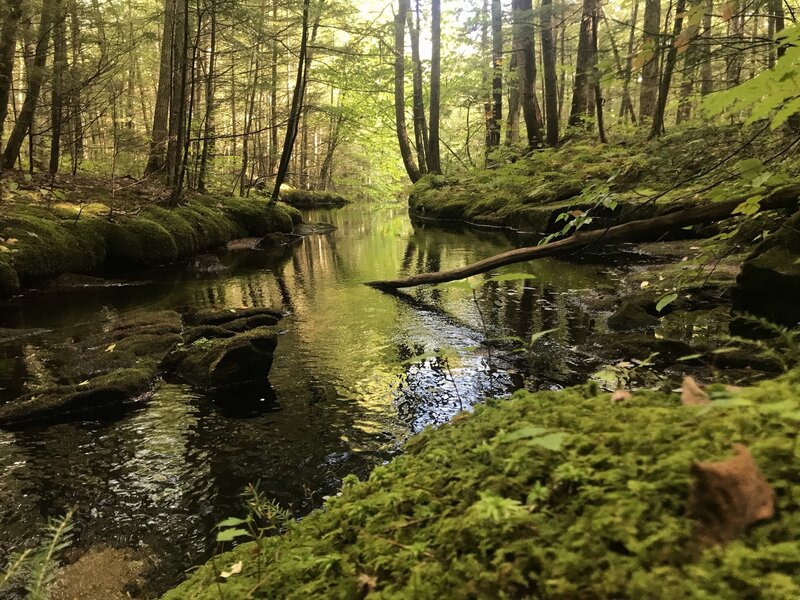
635	231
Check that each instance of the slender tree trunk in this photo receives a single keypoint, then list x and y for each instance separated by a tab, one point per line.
11	14
735	59
524	45
626	98
248	120
207	152
36	75
626	104
583	94
76	109
648	96
161	112
776	25
273	99
184	112
494	109
433	154
399	92
177	105
550	76
690	58
669	67
512	84
706	75
60	67
420	123
598	94
303	66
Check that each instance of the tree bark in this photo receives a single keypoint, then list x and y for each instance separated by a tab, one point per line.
420	123
583	89
634	231
524	51
648	95
158	142
11	14
34	86
400	93
207	152
296	109
60	67
494	108
434	157
657	126
550	76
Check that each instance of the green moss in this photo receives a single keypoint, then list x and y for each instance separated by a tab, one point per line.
181	229
549	495
294	214
9	282
312	199
140	242
257	216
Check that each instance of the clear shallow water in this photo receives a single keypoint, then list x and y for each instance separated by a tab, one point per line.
343	392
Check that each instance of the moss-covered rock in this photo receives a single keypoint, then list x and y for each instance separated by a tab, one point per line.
556	495
98	374
221	362
769	283
312	199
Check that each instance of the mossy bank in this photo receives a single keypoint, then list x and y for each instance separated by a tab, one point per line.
38	242
547	495
602	184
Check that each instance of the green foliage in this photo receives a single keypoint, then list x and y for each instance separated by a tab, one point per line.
547	495
772	94
33	569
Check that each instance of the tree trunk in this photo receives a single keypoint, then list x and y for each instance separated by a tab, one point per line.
34	86
626	104
400	93
161	112
177	104
494	109
583	90
76	149
273	100
60	67
513	85
523	46
11	14
207	152
420	123
296	109
634	231
550	76
434	159
657	126
648	96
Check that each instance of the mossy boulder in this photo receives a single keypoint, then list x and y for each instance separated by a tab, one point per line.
555	495
213	316
98	374
769	283
222	362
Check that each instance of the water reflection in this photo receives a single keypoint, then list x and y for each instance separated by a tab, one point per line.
343	392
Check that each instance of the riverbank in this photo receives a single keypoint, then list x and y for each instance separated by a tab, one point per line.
552	494
596	185
40	240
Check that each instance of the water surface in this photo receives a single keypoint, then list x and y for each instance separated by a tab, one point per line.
345	386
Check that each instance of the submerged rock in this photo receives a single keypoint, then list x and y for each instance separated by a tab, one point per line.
629	317
96	375
207	264
213	316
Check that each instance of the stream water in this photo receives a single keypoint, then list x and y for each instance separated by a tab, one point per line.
343	392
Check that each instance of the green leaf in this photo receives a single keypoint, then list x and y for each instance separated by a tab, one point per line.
230	522
228	535
689	357
665	301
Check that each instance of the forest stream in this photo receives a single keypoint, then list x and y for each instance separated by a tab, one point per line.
343	393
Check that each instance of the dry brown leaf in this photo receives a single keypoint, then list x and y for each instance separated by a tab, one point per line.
728	496
620	395
692	394
367	583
